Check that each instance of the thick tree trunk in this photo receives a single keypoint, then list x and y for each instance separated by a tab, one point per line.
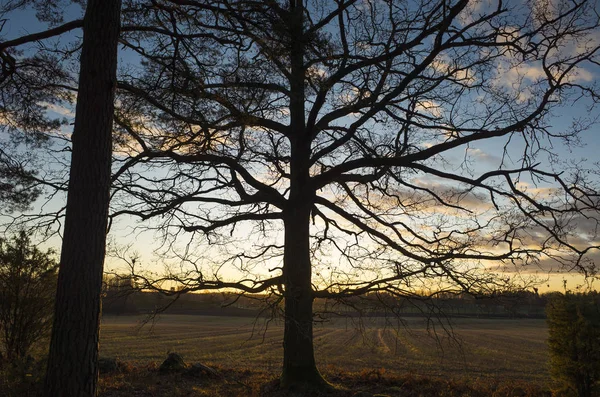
72	364
299	367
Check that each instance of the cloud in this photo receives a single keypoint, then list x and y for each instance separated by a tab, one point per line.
482	156
453	195
522	77
553	265
61	110
538	192
430	107
473	10
443	65
545	10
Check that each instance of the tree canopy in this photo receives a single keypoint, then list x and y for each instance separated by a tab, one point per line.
243	111
317	138
333	148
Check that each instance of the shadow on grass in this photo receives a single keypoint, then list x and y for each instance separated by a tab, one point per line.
149	381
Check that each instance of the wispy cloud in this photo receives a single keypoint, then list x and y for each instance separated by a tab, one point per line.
60	110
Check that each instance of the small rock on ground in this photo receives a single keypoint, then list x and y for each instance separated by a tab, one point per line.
173	363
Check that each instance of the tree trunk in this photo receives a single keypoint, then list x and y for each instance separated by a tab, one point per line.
72	363
299	367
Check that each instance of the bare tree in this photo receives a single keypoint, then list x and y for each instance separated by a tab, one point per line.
328	149
336	143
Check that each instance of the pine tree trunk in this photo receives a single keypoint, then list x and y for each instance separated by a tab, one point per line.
72	363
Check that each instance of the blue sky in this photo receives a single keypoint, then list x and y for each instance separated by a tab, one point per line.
487	153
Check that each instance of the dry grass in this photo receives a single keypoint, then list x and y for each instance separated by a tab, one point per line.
484	351
497	358
148	381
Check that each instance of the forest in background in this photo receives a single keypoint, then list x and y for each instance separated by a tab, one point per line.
121	297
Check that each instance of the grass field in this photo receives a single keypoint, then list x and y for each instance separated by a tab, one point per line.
485	349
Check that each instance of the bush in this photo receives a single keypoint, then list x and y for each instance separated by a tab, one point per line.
22	377
574	342
27	288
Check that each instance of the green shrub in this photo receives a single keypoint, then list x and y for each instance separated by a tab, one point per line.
574	342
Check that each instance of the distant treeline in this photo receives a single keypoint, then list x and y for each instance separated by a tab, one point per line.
121	297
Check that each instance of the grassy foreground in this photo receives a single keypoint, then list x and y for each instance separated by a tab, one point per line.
376	357
491	350
149	381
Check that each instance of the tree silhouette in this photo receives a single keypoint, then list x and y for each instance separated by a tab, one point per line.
329	149
341	145
30	86
73	358
27	288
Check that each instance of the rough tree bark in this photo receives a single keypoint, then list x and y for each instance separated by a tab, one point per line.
72	363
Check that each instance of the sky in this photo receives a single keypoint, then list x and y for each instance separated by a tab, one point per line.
486	153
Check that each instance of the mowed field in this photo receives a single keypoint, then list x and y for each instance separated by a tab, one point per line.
490	349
